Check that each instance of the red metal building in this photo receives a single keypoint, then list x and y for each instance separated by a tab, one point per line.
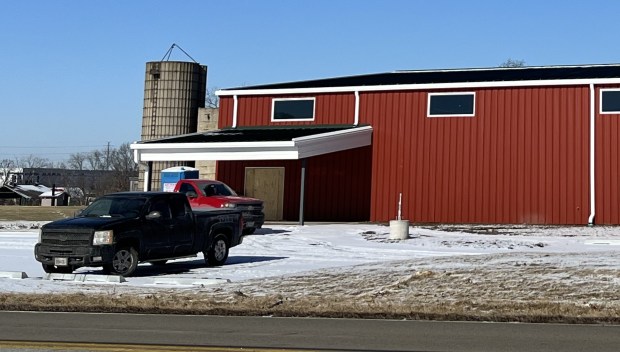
532	145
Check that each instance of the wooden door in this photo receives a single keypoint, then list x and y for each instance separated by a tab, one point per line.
266	183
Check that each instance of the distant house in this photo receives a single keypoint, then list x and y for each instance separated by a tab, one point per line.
22	194
57	197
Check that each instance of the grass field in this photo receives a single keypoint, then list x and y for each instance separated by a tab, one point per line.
36	213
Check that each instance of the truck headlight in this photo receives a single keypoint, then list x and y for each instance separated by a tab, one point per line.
229	205
103	237
40	236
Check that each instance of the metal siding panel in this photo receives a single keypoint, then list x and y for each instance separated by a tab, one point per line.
225	112
378	194
611	183
521	159
337	108
607	165
336	184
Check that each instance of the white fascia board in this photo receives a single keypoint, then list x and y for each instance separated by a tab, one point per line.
330	142
214	151
431	86
212	145
210	155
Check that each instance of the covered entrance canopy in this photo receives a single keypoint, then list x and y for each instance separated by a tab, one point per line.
254	143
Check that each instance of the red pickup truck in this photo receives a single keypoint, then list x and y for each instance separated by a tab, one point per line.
216	194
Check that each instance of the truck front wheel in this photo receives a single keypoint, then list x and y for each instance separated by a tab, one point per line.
218	253
125	261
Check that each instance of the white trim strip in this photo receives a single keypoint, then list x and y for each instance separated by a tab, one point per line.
600	106
592	155
332	134
212	145
235	107
273	109
430	99
395	87
356	117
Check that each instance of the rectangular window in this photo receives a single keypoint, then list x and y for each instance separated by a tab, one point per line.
295	109
451	104
610	101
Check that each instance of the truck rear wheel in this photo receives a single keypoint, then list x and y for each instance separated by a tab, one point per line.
218	253
125	261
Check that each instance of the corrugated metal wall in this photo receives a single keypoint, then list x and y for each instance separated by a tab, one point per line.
607	166
330	109
522	159
337	184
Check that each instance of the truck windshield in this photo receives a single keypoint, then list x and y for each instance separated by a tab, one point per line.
115	207
217	189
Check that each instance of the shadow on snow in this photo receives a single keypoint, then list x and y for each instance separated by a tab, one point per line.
186	266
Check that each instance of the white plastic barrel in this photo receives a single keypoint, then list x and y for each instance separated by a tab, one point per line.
399	229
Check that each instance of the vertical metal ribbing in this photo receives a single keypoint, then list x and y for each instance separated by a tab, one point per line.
154	90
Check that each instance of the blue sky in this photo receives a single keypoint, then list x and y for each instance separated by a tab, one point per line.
72	72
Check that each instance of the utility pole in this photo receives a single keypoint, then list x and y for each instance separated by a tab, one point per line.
107	158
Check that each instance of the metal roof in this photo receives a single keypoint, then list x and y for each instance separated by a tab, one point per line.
22	191
252	134
452	76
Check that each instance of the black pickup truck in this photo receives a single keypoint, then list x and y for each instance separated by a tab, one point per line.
119	230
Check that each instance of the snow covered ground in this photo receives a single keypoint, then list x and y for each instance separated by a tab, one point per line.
278	251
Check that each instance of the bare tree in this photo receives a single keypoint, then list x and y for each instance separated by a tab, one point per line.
34	162
6	171
98	171
76	161
212	100
513	63
123	166
97	160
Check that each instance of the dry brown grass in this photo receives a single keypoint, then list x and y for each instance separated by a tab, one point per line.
491	288
36	213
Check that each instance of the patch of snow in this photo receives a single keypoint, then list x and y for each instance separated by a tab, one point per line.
287	250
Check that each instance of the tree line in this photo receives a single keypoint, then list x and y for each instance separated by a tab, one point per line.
84	175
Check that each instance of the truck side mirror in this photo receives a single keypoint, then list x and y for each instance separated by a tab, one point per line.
153	215
191	194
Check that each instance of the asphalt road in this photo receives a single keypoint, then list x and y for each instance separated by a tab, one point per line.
298	333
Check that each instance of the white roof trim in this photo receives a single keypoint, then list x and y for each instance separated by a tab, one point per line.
464	85
297	148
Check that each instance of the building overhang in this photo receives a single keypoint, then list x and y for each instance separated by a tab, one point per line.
255	143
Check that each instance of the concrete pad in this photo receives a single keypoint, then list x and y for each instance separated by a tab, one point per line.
59	277
13	275
189	281
604	242
84	278
99	278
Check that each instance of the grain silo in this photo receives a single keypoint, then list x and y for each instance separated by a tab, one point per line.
173	93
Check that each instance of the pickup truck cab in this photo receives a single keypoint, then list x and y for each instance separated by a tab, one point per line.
216	194
119	230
